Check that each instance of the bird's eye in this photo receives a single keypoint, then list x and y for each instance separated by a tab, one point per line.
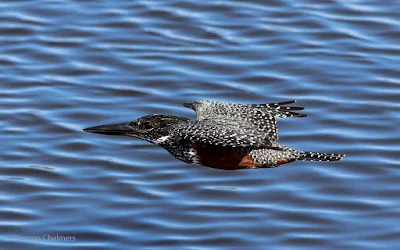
146	125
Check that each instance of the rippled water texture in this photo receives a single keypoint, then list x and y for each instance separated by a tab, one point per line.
67	65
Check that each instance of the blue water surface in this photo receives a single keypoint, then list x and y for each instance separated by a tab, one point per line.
67	65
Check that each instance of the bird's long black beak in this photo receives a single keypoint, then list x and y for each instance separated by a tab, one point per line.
111	129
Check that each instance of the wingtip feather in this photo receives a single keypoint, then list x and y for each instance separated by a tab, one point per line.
287	102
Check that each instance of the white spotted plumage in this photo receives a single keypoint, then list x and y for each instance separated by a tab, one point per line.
260	116
246	125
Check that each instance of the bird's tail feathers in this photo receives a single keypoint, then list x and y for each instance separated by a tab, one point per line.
313	156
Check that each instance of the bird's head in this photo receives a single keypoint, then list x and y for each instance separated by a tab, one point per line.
150	127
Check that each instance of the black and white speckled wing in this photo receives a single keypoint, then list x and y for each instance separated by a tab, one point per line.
261	116
205	109
223	132
279	109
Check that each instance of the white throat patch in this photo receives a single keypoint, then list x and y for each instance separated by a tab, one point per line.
162	139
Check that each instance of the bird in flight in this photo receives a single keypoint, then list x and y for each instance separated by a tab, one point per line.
224	135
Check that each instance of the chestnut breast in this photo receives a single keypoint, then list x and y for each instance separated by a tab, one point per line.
223	157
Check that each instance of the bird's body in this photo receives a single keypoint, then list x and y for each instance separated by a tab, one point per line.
224	135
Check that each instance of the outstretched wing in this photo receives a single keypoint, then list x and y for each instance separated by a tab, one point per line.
205	108
278	109
223	132
262	116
